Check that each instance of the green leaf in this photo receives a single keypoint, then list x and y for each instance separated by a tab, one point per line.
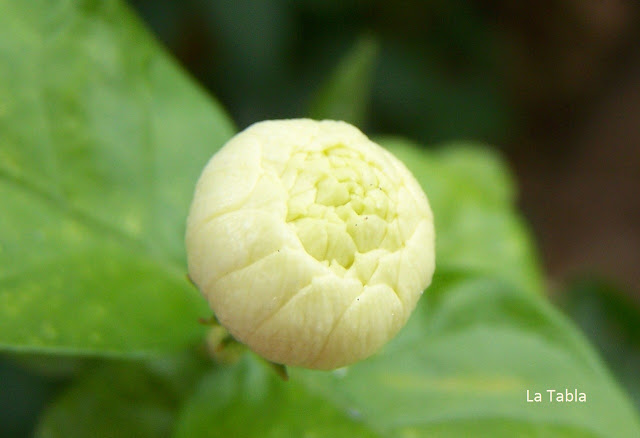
345	95
250	400
609	317
477	227
463	368
110	404
102	137
122	400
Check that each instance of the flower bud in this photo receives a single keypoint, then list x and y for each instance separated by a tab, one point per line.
311	243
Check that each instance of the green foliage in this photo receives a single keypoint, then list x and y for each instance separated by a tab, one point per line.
248	399
119	399
464	364
472	196
102	138
108	402
610	319
101	141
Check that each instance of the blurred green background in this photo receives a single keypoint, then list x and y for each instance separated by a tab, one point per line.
555	85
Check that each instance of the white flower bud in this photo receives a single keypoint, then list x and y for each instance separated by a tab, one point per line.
311	243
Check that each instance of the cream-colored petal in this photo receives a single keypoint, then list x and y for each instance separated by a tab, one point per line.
299	330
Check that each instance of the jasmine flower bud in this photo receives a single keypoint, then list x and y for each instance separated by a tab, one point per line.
311	243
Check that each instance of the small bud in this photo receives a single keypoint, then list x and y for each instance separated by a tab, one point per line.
311	243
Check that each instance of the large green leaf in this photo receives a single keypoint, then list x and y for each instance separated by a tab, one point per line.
102	138
123	399
472	196
112	402
248	400
462	367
